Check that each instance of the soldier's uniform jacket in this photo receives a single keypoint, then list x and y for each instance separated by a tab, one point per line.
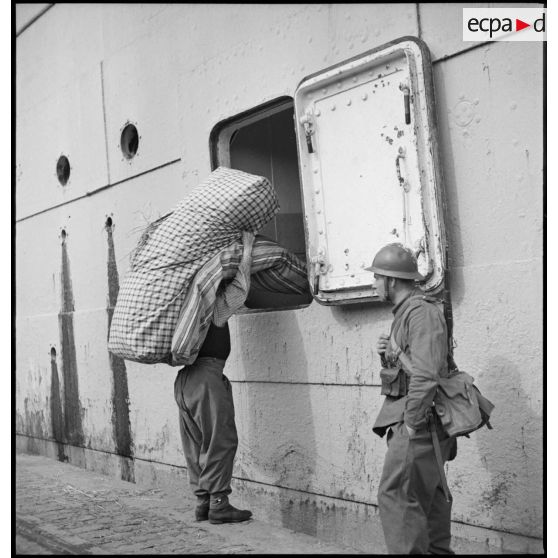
419	329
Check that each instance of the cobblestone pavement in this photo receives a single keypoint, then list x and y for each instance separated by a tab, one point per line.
62	509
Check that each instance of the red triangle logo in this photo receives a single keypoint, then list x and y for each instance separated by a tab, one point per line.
519	25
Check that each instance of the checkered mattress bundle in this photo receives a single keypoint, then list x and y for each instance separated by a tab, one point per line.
202	232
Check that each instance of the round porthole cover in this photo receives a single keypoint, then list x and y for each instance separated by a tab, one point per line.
129	140
63	170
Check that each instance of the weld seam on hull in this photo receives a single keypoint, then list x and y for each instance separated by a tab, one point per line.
96	191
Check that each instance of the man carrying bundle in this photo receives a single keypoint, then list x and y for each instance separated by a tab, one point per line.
188	276
206	409
204	397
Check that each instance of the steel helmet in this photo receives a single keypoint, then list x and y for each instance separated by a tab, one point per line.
395	260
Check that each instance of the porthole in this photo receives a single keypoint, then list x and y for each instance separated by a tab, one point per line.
129	141
63	170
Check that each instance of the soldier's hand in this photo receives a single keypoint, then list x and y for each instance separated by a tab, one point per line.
410	430
382	343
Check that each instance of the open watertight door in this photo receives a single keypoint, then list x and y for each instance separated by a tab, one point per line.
367	148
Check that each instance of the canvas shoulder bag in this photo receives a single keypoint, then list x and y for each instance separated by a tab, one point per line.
460	405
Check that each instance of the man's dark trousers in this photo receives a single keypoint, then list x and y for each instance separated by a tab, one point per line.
207	426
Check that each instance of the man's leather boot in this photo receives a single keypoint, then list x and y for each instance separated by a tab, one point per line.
202	509
220	511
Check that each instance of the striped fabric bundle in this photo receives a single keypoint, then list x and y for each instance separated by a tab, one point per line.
273	268
209	218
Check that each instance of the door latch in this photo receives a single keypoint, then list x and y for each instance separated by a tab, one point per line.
406	101
307	123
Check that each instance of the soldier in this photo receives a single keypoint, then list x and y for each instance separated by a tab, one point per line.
414	503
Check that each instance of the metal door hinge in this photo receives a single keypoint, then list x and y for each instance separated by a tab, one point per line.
319	268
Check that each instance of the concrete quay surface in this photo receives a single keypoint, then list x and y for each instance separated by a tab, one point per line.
63	509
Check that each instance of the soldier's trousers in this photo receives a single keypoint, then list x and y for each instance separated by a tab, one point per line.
415	516
207	427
